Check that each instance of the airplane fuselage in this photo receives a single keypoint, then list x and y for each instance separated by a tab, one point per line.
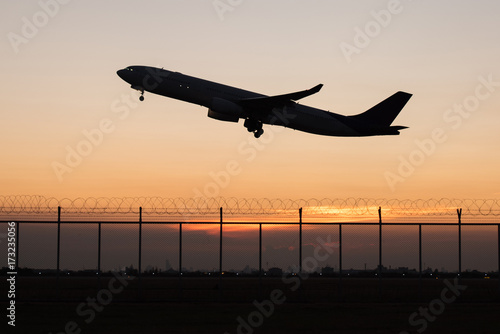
228	103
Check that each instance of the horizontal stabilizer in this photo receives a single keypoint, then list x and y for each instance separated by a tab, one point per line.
278	100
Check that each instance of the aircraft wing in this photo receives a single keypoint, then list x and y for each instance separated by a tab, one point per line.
278	100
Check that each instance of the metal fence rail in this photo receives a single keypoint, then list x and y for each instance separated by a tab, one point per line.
339	276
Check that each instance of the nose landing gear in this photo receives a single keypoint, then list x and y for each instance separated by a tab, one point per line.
140	89
254	126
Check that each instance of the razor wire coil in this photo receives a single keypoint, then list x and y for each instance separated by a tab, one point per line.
34	205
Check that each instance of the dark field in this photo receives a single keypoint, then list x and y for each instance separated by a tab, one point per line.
311	306
288	318
232	289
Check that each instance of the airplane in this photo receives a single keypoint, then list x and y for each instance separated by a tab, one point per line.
230	104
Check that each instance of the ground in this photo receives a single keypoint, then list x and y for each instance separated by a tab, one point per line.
287	318
318	305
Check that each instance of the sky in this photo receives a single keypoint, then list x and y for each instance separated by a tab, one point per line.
61	95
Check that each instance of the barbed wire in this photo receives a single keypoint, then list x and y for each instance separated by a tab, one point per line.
36	205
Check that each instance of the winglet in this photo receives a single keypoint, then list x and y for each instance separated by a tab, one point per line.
305	93
316	89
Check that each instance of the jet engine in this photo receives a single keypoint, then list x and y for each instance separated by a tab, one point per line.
224	110
222	117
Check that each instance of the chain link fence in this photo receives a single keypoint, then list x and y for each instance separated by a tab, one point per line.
241	249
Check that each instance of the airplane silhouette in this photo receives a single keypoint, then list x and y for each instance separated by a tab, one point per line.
226	103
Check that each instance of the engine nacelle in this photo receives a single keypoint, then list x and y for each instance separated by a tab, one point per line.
222	117
224	110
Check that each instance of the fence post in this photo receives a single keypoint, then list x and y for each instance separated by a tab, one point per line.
420	261
99	256
459	213
380	252
220	256
180	261
17	246
58	248
340	261
139	290
260	260
300	240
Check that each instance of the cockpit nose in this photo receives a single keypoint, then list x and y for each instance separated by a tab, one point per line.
128	74
121	73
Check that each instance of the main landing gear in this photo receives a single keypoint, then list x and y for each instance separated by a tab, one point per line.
254	126
141	98
258	133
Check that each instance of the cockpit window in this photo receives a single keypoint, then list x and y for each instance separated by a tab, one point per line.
130	69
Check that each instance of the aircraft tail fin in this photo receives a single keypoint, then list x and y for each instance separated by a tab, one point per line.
384	113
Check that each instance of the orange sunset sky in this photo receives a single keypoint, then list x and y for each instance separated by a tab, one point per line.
59	87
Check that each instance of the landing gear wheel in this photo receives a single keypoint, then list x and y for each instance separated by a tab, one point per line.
258	133
255	126
141	98
251	124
